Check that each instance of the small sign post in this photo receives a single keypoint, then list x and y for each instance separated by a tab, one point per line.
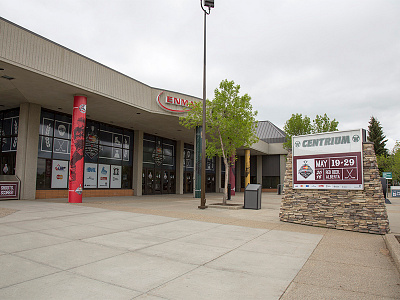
387	176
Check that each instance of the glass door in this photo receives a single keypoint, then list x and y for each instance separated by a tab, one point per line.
150	182
157	182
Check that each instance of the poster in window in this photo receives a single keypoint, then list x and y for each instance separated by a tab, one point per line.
59	174
117	140
46	144
115	177
47	128
62	129
126	141
103	176
90	176
61	146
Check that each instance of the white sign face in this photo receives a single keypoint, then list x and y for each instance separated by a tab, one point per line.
90	176
103	176
327	143
328	161
115	177
59	174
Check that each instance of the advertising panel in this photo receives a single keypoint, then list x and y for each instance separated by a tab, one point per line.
90	176
59	174
328	161
103	176
115	177
9	190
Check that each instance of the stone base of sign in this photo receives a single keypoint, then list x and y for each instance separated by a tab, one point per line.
362	211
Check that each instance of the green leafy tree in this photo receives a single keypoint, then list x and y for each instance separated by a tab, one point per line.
230	123
324	124
299	125
391	163
375	135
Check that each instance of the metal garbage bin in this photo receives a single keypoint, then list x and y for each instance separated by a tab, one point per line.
252	196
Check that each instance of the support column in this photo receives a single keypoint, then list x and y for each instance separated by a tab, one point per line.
232	177
27	153
247	167
238	174
137	162
282	168
179	167
77	149
197	164
259	169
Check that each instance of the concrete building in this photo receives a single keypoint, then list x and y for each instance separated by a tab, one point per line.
133	143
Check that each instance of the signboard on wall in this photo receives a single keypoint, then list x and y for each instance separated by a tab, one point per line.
103	178
90	176
115	182
328	161
9	190
59	174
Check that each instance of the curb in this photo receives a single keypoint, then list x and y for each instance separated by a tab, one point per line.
233	207
394	248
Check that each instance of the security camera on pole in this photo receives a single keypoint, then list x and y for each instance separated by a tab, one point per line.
208	4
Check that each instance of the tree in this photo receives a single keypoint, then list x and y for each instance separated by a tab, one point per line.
299	125
391	163
230	123
375	135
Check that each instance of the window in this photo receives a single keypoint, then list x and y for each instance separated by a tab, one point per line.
107	153
9	123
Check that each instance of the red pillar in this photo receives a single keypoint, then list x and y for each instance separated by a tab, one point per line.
232	178
77	150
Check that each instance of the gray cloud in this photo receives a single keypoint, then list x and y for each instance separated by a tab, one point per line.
339	57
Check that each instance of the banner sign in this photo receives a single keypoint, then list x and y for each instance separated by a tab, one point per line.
90	176
115	177
9	190
103	176
59	174
328	161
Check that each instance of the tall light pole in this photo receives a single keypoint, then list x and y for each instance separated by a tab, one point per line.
208	4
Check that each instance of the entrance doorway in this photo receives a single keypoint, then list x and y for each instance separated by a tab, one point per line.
188	182
156	181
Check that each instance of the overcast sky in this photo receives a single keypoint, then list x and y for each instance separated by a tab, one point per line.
340	57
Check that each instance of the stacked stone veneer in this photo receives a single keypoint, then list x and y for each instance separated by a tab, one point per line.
362	211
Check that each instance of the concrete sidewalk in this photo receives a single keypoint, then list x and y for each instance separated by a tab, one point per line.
163	247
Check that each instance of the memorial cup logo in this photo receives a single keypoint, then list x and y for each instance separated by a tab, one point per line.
355	138
305	170
82	108
297	144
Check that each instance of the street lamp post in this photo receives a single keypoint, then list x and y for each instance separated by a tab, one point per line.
209	4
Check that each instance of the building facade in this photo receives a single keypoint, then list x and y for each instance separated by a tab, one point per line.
132	142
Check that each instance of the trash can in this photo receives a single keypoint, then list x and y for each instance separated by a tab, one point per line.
252	196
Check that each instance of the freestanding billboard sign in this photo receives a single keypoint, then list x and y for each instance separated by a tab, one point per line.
330	160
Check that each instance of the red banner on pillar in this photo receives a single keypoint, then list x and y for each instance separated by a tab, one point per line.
77	149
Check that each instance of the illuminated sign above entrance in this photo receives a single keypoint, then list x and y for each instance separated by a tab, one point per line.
173	104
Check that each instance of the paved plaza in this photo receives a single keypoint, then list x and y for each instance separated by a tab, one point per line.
164	247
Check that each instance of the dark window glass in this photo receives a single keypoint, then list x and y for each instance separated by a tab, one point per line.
127	177
43	178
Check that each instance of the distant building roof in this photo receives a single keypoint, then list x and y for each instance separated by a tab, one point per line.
269	133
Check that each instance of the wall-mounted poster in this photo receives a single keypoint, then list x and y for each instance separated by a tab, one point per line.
90	176
103	176
115	177
59	174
